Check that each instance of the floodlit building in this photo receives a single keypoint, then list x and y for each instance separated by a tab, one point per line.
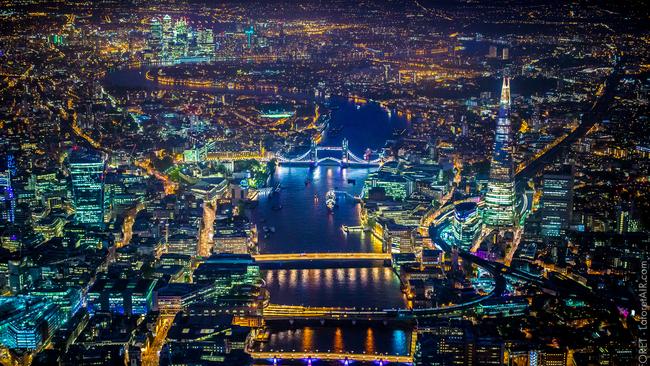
500	197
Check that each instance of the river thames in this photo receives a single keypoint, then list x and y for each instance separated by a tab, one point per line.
304	225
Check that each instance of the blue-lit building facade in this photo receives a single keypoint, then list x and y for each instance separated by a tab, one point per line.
7	198
87	175
68	299
121	296
466	224
28	322
500	197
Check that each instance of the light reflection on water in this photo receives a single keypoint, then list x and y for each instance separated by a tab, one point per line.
342	287
361	339
302	222
304	225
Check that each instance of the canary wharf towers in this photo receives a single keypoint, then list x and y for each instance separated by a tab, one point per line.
500	197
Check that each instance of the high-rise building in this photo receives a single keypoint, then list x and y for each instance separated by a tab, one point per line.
7	198
87	173
167	27
505	53
250	31
500	197
627	220
205	41
493	52
557	202
156	35
466	224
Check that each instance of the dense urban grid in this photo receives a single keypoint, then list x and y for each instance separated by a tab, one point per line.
402	182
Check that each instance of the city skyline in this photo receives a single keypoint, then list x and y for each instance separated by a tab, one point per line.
264	183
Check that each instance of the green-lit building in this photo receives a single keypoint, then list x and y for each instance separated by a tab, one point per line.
68	299
394	185
226	271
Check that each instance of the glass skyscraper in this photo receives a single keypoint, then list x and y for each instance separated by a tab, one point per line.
500	198
557	202
466	224
156	36
87	173
7	198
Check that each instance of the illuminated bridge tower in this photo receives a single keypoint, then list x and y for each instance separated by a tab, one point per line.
500	198
345	153
313	152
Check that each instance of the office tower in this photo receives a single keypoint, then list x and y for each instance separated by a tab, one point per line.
505	53
557	202
180	30
132	296
7	198
167	37
535	120
167	27
205	41
500	197
466	224
464	127
87	173
493	52
627	220
156	35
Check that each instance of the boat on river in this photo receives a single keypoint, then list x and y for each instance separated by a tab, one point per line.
330	200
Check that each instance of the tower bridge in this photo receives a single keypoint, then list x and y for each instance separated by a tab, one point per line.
312	157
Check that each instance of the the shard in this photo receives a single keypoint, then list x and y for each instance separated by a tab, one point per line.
500	197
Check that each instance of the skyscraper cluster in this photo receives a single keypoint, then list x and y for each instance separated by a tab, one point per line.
171	41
